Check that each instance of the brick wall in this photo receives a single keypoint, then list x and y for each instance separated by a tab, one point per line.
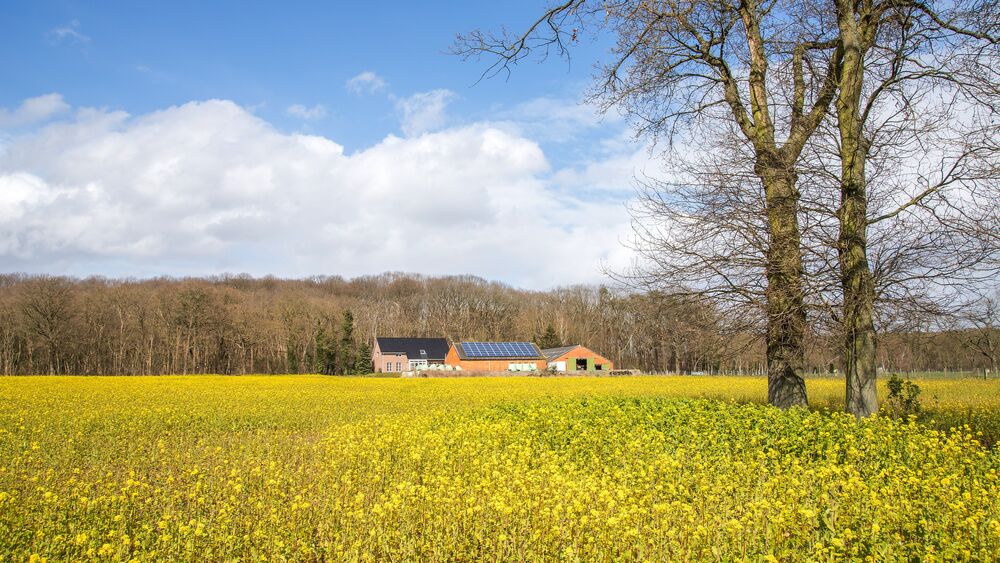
380	359
584	353
489	365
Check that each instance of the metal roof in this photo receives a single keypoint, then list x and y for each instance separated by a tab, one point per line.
553	353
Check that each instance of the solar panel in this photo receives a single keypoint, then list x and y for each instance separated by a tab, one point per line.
498	349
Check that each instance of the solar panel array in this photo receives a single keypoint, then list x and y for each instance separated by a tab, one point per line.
499	349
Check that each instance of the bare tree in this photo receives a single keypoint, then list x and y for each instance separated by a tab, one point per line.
681	65
983	337
47	305
909	102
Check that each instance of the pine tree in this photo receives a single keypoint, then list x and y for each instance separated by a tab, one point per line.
550	339
326	351
363	361
347	353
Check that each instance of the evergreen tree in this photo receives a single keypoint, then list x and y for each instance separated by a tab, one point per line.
347	353
549	339
363	361
326	351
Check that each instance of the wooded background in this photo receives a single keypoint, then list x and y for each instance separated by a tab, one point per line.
240	324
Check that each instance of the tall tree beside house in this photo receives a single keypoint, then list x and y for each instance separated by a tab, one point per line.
549	339
363	362
347	355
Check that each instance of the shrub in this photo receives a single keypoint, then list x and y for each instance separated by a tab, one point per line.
904	397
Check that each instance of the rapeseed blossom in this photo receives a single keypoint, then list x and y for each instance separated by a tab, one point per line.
309	468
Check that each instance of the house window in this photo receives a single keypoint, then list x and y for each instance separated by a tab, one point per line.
388	366
399	366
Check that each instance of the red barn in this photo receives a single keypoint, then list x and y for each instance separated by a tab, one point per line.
496	356
576	358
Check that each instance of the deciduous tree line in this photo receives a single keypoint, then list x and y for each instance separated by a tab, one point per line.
238	324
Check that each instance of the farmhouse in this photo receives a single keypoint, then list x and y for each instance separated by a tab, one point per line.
406	354
496	356
576	358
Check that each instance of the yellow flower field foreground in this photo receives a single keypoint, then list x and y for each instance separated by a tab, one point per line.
657	468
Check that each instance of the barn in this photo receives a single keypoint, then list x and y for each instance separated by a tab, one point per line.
576	358
496	356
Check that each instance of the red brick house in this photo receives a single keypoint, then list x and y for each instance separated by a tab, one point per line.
393	355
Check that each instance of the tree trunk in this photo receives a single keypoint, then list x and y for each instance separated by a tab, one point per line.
855	274
859	296
786	316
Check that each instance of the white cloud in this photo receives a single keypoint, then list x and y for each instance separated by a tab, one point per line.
208	187
556	119
614	175
69	33
423	111
33	110
367	82
300	111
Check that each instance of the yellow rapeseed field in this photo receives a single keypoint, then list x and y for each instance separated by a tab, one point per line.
589	469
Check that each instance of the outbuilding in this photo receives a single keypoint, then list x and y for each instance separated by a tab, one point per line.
496	356
576	358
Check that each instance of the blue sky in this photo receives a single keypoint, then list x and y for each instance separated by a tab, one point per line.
354	75
142	56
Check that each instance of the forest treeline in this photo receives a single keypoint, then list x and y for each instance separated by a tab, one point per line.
239	324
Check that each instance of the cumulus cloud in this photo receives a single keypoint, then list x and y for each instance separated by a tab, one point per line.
423	111
69	33
33	110
556	119
611	176
207	187
300	111
366	82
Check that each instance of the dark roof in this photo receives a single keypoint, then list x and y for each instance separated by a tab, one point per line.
553	353
535	353
433	348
